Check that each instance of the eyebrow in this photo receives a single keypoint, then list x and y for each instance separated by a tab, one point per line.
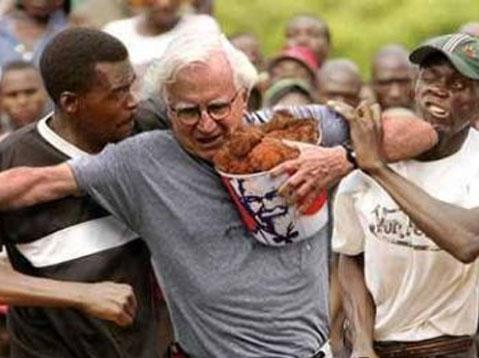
131	80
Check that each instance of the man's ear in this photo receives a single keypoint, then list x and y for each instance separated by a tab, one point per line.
69	102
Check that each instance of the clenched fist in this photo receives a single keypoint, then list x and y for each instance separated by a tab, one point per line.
109	301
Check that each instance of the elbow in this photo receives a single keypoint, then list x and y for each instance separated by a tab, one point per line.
466	255
468	251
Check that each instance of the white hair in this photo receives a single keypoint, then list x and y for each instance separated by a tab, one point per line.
189	47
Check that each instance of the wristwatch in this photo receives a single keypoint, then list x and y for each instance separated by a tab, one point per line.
350	154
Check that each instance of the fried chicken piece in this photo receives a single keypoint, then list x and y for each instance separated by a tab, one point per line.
284	126
269	153
244	140
260	148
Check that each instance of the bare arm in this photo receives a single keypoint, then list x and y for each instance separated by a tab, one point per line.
452	228
358	305
26	186
105	300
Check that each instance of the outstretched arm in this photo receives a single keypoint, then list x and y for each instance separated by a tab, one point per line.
104	300
27	186
452	228
358	305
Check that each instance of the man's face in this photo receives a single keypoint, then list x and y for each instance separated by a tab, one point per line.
41	8
339	86
105	112
445	98
289	68
200	92
164	13
392	83
308	32
23	97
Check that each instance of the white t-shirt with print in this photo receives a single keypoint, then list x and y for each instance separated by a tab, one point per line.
420	291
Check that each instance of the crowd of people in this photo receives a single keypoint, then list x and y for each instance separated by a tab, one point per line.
120	238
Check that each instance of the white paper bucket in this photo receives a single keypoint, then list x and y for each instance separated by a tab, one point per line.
267	215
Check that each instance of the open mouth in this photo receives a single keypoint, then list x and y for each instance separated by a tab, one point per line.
212	141
436	110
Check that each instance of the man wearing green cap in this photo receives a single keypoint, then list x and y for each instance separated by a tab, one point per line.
415	292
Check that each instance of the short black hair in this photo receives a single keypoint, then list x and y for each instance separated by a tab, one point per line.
317	19
68	61
17	65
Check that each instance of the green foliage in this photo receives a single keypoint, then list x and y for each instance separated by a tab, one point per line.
359	27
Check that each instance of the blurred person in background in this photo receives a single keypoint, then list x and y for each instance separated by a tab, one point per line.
23	98
296	62
6	6
147	35
97	13
289	92
339	80
205	7
471	28
25	31
310	31
392	77
249	44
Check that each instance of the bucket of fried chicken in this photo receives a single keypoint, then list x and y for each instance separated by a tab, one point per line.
244	163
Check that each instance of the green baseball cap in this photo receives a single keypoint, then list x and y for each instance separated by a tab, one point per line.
462	50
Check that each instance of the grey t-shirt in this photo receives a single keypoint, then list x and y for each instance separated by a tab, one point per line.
228	295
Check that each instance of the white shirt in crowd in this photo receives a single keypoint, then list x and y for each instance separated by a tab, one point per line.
419	290
143	49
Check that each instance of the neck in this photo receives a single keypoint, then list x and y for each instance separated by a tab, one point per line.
148	27
66	128
447	145
38	21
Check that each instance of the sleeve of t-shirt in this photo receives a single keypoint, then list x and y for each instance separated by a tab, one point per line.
334	129
109	178
348	234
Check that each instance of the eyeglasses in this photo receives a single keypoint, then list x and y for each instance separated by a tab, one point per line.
217	111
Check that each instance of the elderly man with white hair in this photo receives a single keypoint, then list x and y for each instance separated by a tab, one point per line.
228	295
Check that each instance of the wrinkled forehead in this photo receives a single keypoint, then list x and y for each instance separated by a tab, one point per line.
392	67
201	78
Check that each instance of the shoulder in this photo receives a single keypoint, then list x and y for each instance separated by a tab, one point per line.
145	144
18	138
119	27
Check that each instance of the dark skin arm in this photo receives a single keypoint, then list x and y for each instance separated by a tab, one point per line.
358	305
104	300
452	228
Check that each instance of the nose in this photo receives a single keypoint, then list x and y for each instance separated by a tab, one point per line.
22	99
439	90
163	3
132	101
395	90
206	124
